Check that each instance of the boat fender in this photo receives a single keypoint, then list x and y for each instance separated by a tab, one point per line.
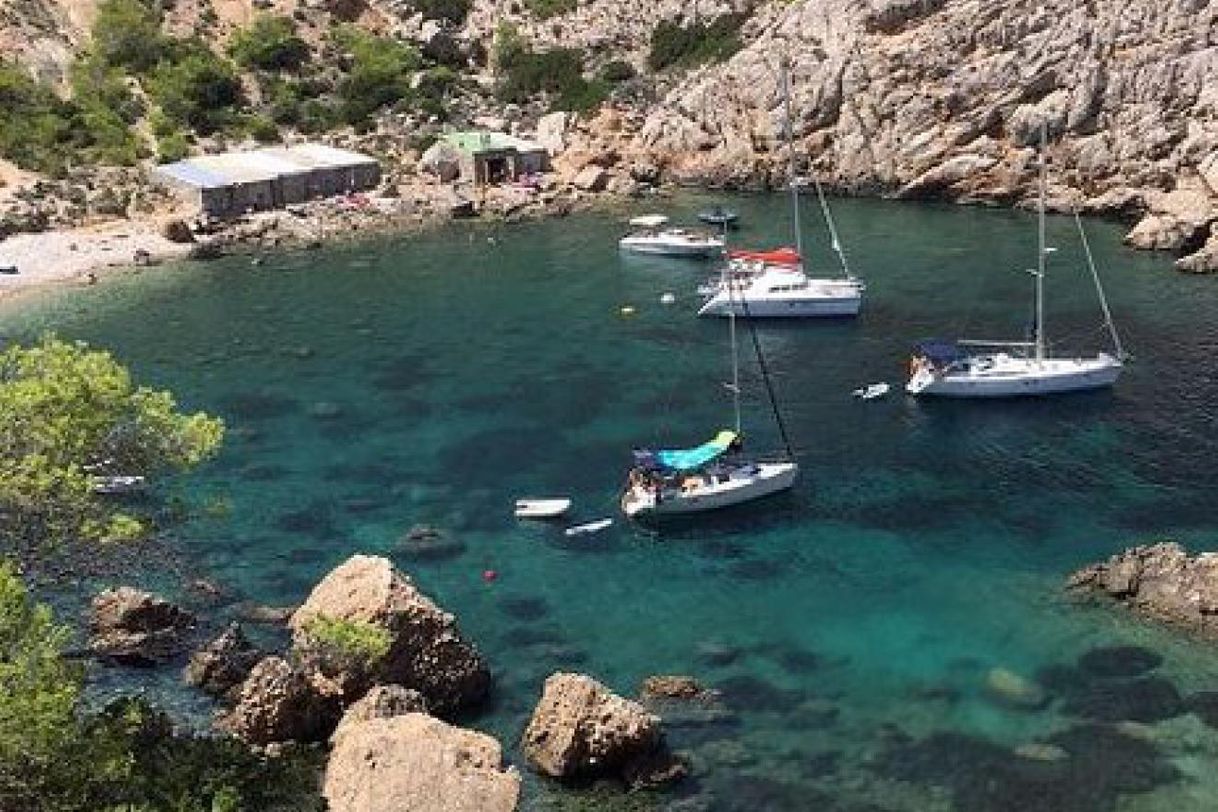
667	298
627	310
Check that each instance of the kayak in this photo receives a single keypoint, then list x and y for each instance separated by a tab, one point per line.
590	527
541	508
871	391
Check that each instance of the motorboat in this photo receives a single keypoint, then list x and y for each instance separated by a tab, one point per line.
719	216
653	236
999	369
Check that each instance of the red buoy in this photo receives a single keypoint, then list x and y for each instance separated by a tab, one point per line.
489	575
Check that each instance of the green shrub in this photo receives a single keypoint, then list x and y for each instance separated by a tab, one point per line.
454	11
674	45
557	72
353	641
618	70
379	73
197	89
261	129
544	9
270	42
38	130
127	34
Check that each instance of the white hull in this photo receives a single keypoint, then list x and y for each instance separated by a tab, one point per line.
541	508
782	295
741	486
672	246
1003	376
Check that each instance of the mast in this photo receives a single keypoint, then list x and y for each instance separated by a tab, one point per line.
1040	251
731	328
790	136
769	386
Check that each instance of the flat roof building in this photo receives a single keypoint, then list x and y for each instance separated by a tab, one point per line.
234	183
495	157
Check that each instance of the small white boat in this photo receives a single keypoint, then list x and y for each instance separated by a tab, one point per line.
589	527
652	237
118	485
541	508
648	221
872	391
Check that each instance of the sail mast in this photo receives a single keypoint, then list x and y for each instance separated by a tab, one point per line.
790	136
731	328
1040	252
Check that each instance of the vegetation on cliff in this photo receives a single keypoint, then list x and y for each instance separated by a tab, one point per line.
685	46
558	73
70	414
55	757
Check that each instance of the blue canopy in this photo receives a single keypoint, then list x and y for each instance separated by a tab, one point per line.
940	351
686	459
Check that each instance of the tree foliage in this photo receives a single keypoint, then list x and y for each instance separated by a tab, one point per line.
558	72
676	45
378	74
544	9
271	43
127	34
69	414
197	89
452	11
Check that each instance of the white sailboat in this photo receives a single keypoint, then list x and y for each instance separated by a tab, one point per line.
714	475
996	369
773	284
653	236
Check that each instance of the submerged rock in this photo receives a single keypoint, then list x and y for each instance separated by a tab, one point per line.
1010	689
134	627
580	729
1119	661
1160	581
222	664
424	543
425	649
414	763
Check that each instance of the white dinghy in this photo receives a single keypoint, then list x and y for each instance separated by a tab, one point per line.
541	508
653	236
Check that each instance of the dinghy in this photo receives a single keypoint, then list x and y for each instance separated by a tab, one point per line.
589	527
541	508
872	391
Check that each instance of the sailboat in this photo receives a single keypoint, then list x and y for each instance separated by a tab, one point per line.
716	474
770	284
994	369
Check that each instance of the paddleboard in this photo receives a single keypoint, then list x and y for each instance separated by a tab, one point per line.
541	508
590	527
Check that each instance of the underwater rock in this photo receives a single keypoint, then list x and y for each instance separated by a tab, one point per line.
426	649
755	570
1039	751
265	615
749	693
382	702
715	653
1205	705
1149	699
314	520
1160	581
673	687
257	405
414	763
424	543
223	663
812	714
1010	689
524	607
580	729
325	410
1119	661
133	627
278	703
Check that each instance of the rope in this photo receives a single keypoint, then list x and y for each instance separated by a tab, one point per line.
833	238
765	377
1099	289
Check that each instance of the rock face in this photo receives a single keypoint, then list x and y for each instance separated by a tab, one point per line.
277	703
1160	581
137	628
222	664
581	729
414	763
426	650
382	702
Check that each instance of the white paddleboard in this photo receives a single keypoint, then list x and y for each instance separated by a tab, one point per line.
590	527
541	508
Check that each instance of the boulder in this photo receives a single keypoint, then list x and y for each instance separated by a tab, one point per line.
1205	260
661	687
442	160
1159	581
425	543
938	179
425	650
1161	232
178	231
591	178
552	131
581	730
278	703
137	628
222	664
382	702
414	763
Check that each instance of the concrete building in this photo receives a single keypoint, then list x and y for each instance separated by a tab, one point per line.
233	183
493	157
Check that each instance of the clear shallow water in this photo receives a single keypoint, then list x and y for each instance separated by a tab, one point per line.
435	379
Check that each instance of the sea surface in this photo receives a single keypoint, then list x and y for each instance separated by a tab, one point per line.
852	625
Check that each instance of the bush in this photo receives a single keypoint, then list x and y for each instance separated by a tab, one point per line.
127	34
379	73
351	641
69	414
197	89
453	11
38	130
557	72
261	129
544	9
269	43
618	70
696	44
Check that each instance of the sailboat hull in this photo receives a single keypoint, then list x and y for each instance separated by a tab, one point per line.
805	299
712	493
1006	377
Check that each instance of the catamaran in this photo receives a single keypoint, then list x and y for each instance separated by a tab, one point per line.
653	236
771	284
995	369
716	474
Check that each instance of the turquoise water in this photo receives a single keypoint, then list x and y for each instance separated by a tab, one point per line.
852	623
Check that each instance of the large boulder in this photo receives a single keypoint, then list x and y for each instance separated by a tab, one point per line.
422	646
414	763
442	160
580	729
1161	581
382	702
222	664
278	703
134	627
552	131
591	178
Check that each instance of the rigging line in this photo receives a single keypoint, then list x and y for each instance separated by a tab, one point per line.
731	320
834	240
1108	322
765	377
